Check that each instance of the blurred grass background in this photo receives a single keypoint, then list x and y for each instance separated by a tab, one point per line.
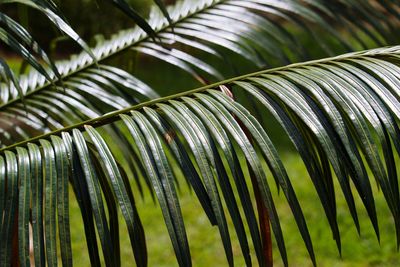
204	241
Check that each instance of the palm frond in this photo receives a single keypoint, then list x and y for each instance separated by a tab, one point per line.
11	29
10	33
20	40
88	95
258	31
340	113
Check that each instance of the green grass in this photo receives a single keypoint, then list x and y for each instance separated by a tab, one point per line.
207	250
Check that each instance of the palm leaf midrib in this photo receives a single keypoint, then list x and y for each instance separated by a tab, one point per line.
108	55
114	115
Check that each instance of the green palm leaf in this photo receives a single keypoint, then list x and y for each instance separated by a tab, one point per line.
345	107
259	31
21	41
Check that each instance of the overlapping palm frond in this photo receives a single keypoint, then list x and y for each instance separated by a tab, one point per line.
264	32
88	95
340	113
20	40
